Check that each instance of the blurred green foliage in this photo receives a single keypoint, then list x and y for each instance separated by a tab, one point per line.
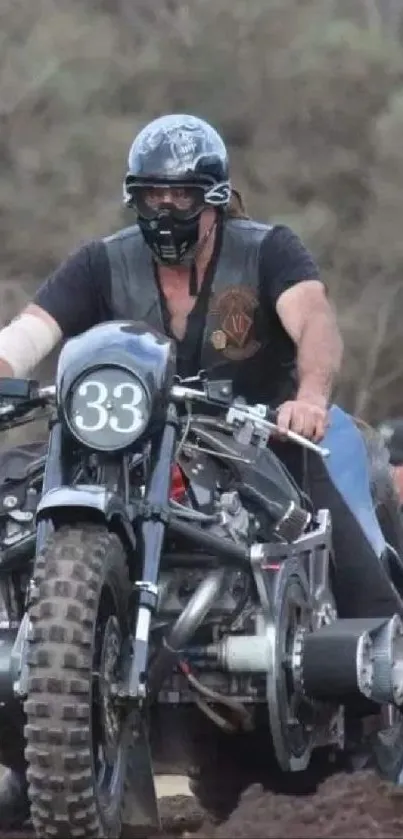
308	94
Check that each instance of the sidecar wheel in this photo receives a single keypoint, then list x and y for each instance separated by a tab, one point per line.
75	753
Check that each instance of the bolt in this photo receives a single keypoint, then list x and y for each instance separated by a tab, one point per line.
10	501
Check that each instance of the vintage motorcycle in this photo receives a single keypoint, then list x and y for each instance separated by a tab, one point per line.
153	556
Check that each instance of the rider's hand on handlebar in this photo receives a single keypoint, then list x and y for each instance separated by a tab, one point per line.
307	417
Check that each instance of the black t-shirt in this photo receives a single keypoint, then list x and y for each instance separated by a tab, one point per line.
78	294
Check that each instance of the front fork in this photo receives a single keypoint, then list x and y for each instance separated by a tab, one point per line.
154	518
154	515
53	478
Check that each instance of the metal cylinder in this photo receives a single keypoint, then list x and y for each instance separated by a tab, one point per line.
336	661
388	662
12	742
243	653
7	639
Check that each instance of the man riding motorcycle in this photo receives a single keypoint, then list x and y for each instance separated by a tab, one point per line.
235	295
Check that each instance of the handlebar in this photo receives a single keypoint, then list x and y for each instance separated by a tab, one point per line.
28	395
260	414
23	403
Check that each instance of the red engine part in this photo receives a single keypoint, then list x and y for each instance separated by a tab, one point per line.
178	484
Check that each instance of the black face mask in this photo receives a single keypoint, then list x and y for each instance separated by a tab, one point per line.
172	238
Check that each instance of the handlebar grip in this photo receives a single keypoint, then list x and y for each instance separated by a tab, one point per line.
19	389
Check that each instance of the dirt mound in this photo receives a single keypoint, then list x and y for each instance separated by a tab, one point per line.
343	806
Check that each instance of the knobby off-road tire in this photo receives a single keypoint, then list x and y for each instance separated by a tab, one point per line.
79	570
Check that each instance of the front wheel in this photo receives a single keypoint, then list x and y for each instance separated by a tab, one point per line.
75	754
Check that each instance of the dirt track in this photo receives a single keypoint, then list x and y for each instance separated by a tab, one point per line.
343	806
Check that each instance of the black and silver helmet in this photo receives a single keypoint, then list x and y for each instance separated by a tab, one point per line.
186	156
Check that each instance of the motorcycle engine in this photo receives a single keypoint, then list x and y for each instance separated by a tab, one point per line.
206	487
207	491
235	520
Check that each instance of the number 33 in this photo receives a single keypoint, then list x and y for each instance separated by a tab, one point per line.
105	419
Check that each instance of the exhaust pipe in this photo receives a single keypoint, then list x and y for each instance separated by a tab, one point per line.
185	627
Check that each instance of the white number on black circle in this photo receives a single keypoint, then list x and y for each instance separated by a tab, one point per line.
104	418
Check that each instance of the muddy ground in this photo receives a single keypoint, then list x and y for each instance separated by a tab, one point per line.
236	804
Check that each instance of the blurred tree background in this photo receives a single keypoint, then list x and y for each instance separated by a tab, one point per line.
308	94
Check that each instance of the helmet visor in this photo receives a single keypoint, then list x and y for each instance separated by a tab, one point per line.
182	201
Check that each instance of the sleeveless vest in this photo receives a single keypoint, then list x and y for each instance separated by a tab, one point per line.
236	338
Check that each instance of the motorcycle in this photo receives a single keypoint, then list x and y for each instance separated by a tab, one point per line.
153	556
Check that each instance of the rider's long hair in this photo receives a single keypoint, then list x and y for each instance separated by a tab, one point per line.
236	207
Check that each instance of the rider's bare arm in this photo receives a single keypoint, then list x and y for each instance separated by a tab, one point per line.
309	319
290	281
74	298
27	340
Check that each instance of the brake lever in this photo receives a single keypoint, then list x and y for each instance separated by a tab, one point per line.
271	419
261	413
298	438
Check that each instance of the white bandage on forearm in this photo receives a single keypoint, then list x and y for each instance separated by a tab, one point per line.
26	341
